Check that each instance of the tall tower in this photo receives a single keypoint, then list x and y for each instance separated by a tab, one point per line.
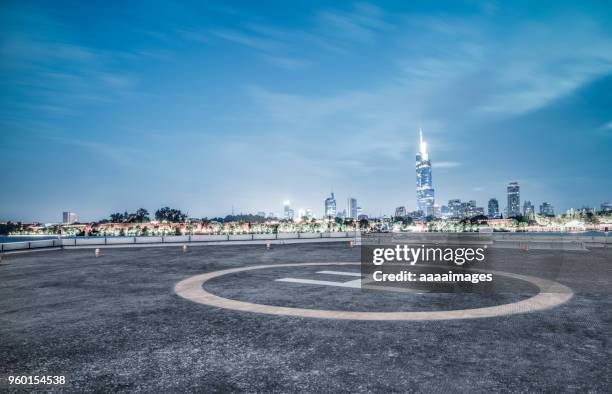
514	199
424	188
351	208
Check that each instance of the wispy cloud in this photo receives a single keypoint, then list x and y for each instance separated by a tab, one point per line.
445	164
362	23
119	156
53	74
333	30
249	40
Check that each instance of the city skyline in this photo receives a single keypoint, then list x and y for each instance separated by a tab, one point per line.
204	106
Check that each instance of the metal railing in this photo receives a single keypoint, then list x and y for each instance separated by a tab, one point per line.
170	239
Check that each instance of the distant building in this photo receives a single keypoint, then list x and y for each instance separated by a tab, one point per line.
547	209
424	188
468	209
70	217
514	199
528	209
288	213
330	207
454	206
362	217
445	212
472	205
493	208
606	207
351	208
309	214
262	214
400	212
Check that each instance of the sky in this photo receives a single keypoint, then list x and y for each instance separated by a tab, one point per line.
205	106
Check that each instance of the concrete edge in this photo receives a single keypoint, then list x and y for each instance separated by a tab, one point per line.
215	243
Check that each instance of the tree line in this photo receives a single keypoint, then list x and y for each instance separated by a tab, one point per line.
165	214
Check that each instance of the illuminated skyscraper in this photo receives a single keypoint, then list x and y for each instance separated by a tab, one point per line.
514	199
330	207
287	211
424	189
454	207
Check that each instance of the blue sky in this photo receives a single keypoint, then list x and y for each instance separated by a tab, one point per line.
108	107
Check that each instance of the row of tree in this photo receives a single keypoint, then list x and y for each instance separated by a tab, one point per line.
10	227
165	214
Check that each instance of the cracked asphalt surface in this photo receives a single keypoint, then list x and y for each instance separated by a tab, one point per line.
114	323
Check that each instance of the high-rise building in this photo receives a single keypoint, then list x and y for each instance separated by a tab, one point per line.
351	208
287	211
445	212
454	207
400	212
493	210
528	209
70	217
547	209
467	209
424	188
514	199
330	207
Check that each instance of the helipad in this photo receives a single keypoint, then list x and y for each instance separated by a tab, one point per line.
193	290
